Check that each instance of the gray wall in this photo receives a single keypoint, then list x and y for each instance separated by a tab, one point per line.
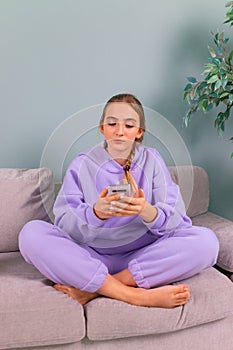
60	57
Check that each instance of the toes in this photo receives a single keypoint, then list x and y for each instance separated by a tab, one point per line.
62	288
182	291
181	300
182	297
182	288
180	303
57	286
182	294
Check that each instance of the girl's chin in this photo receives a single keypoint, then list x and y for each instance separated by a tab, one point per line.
121	143
122	147
118	149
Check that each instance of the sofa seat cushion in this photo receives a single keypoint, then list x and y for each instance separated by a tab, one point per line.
210	295
223	229
32	312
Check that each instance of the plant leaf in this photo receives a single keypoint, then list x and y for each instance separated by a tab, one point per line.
214	95
217	85
229	3
231	55
222	71
213	79
224	94
187	87
215	61
224	83
192	79
211	51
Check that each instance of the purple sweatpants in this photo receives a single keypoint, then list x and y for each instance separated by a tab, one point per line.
152	261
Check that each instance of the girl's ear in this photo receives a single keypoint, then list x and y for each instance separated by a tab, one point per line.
139	134
101	128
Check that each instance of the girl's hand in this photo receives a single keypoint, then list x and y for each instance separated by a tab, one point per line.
129	206
103	207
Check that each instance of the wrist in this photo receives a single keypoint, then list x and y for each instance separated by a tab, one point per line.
149	213
99	214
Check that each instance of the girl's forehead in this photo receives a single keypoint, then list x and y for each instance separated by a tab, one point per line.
121	111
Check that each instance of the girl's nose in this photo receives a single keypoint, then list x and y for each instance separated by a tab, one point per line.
120	129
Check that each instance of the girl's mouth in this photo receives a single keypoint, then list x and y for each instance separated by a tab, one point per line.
119	141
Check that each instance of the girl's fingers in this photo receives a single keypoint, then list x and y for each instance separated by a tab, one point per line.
140	193
125	210
103	193
132	205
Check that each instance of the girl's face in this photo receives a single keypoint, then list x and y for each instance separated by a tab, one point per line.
121	127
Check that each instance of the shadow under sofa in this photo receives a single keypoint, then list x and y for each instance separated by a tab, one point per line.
33	315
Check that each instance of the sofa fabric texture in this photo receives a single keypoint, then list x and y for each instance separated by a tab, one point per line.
224	232
194	187
108	319
34	316
197	203
26	194
32	313
42	316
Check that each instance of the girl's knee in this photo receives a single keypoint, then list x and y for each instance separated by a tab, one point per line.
30	228
208	244
213	243
31	232
209	238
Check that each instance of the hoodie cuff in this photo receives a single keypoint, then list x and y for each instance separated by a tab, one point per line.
158	221
92	219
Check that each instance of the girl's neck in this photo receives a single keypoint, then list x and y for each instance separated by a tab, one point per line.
119	157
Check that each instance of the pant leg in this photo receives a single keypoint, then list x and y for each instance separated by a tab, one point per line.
59	258
174	258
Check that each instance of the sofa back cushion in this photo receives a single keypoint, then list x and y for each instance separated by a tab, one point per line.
26	194
194	187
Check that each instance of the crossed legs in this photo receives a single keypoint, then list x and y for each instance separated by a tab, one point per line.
146	280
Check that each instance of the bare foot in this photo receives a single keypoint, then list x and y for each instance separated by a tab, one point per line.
167	296
79	295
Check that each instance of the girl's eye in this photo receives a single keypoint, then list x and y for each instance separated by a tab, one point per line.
128	126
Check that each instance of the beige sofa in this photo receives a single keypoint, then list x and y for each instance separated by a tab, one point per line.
33	315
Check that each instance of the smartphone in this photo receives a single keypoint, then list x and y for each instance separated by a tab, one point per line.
123	189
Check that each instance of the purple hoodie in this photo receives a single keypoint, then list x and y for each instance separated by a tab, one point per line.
94	170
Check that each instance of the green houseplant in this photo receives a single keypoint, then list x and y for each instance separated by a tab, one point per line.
216	88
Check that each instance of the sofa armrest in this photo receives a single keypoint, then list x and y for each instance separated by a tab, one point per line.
26	194
223	228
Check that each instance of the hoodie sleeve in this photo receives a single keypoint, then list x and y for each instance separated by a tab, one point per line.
72	214
166	197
